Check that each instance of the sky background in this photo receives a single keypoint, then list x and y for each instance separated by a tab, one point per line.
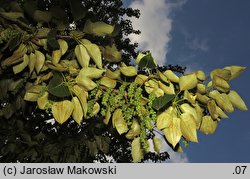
203	34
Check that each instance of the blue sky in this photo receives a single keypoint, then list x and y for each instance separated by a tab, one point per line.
203	34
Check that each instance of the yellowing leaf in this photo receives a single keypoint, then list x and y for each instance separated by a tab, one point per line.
111	54
162	77
107	116
235	71
237	101
82	55
33	93
62	110
136	150
115	75
20	67
40	59
211	105
78	111
201	88
134	131
85	82
222	73
32	62
200	75
224	102
90	72
163	120
96	108
139	57
63	46
118	122
95	53
208	125
128	71
157	144
166	89
188	82
173	131
188	127
109	83
171	76
56	56
43	101
202	98
220	84
186	108
189	97
82	96
98	28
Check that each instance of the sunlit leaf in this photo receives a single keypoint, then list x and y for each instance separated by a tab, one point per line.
62	110
136	150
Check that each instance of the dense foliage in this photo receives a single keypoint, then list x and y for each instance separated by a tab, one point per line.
70	94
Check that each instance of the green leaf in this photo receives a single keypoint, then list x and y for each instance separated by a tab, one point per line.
56	86
147	61
13	43
77	9
42	16
160	102
51	40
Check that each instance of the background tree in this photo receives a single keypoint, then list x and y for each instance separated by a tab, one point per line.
70	94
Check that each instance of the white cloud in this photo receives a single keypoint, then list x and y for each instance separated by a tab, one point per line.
155	24
198	44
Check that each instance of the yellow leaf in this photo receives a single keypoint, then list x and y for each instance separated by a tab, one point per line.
237	101
163	120
95	53
222	73
85	82
32	62
158	92
134	131
171	76
201	88
118	122
224	102
33	93
107	116
139	57
220	84
208	125
140	79
90	72
109	83
78	111
188	82
20	67
162	77
82	55
63	46
166	89
188	127
96	108
186	108
128	71
98	28
82	96
211	105
56	56
40	59
235	71
202	98
200	75
111	54
173	131
43	101
62	110
115	75
189	97
136	150
157	144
